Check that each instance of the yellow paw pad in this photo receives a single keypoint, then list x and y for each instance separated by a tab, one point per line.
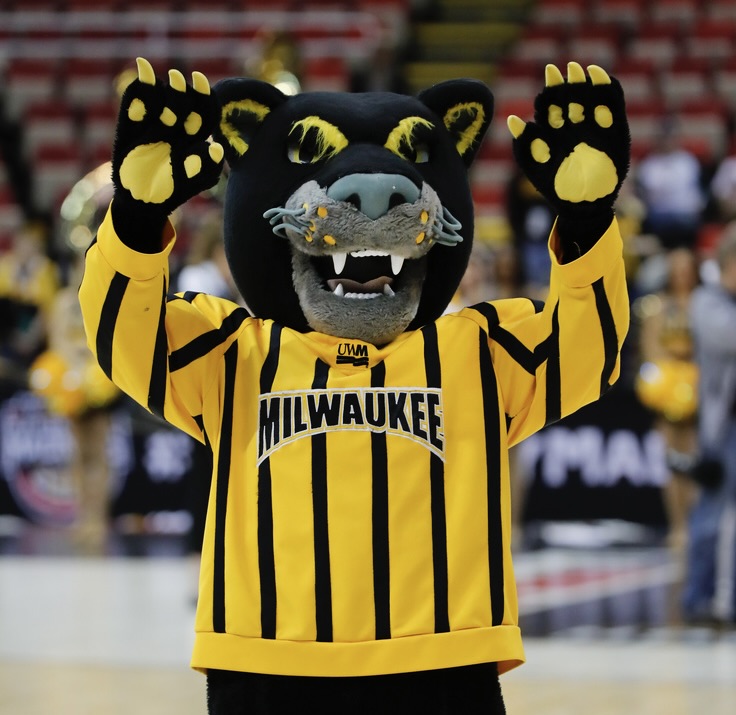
168	117
603	116
136	110
193	123
146	173
585	175
576	112
554	117
540	151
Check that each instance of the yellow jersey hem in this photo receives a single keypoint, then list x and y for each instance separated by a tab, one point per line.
224	651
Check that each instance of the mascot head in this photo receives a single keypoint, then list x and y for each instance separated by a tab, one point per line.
350	214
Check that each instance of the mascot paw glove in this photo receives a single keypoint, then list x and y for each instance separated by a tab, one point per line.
162	155
576	151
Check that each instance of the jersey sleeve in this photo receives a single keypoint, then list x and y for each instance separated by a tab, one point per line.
552	358
163	350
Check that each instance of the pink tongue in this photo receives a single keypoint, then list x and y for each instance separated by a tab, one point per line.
373	286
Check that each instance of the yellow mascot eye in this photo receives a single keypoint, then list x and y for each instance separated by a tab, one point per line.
409	139
313	139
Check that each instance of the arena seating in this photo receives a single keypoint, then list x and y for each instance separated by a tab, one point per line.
59	61
673	57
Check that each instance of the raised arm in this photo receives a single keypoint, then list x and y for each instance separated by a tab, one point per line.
554	359
161	158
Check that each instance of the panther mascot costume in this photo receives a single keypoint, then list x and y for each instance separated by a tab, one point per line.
357	554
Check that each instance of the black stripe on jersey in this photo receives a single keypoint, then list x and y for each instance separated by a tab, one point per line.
381	562
205	343
437	494
223	483
610	338
489	313
108	318
199	420
159	368
266	564
538	305
322	572
553	395
492	423
93	242
527	359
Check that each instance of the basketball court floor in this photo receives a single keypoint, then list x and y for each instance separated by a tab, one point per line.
112	634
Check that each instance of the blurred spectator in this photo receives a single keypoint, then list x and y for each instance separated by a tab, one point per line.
667	382
68	378
492	274
206	269
280	62
505	273
531	218
29	281
709	587
723	188
668	180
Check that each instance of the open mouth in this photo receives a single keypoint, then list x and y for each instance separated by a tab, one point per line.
362	275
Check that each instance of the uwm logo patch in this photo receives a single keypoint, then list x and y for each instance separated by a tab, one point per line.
413	413
352	354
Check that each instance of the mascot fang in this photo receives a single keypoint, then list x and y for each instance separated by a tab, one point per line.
357	551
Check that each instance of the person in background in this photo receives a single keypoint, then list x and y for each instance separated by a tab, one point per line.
723	187
74	386
206	269
531	218
668	181
710	593
668	373
29	281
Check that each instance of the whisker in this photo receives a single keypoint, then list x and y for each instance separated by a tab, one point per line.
284	220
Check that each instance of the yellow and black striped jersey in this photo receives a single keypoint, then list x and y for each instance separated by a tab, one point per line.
359	519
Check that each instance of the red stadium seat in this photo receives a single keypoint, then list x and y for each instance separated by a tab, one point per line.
686	80
623	13
569	14
89	81
58	168
597	45
98	127
49	123
658	44
720	10
540	43
682	12
711	39
638	78
329	74
28	81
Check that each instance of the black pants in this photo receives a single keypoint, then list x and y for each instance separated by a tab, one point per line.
452	691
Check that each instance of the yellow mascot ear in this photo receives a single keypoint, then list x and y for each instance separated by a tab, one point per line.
466	109
245	104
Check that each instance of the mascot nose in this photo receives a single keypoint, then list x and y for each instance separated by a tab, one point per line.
374	194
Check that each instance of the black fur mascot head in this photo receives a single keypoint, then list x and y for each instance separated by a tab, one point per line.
350	214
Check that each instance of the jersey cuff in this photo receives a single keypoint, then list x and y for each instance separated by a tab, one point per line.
592	266
134	265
